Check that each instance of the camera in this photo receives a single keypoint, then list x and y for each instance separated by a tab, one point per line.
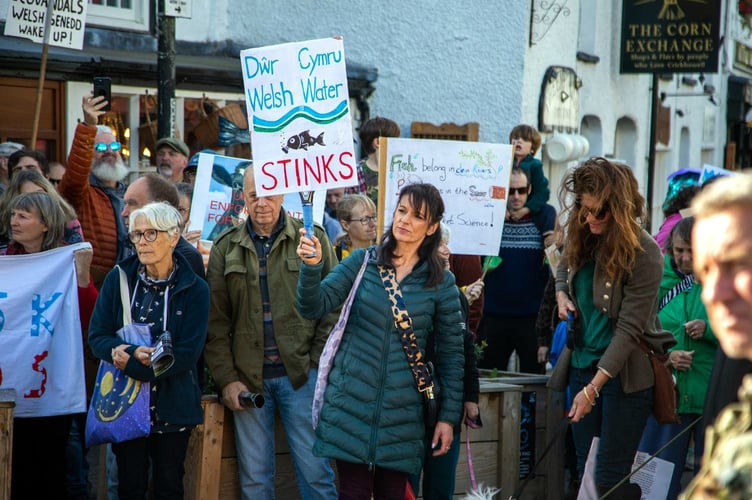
162	357
250	399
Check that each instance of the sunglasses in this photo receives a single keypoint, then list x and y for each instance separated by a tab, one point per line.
598	214
519	191
101	147
54	182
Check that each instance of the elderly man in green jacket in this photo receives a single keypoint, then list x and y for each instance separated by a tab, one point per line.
258	342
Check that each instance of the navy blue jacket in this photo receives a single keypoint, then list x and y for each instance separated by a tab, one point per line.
188	313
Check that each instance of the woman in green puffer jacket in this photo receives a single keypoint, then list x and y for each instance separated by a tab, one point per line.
372	419
682	312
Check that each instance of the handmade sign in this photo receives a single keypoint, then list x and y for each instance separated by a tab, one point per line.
473	178
26	19
218	201
298	111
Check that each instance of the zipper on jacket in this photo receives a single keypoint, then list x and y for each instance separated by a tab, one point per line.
374	431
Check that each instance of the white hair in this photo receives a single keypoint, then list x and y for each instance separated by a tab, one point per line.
104	129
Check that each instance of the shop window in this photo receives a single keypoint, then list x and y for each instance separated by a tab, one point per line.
119	14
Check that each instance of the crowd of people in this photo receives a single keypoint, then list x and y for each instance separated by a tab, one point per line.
258	317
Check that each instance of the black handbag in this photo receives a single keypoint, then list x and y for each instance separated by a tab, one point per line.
423	372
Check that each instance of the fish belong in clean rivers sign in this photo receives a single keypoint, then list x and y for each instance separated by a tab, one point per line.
472	177
298	110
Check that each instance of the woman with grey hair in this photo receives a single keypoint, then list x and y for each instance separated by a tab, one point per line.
166	295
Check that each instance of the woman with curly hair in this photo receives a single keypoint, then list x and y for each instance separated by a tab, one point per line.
608	277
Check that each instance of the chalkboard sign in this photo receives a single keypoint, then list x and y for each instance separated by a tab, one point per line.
473	178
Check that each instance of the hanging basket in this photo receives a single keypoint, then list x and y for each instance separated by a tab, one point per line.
207	131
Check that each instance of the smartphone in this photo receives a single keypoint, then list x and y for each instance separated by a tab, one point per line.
103	87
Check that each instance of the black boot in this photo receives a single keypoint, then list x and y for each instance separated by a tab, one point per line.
627	491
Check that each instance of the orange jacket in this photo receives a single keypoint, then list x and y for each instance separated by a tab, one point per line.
91	203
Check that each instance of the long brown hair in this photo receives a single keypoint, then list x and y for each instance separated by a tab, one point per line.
615	189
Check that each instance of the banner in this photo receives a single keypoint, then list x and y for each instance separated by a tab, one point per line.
298	110
472	177
26	19
41	348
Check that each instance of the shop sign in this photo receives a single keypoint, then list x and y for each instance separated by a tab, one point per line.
670	36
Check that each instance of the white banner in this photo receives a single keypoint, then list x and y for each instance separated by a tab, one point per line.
26	19
41	348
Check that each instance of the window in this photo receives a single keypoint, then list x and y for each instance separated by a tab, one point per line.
120	14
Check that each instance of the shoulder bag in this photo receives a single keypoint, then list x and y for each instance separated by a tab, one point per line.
119	409
332	345
422	372
665	392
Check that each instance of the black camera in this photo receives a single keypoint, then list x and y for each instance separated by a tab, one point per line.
250	399
162	357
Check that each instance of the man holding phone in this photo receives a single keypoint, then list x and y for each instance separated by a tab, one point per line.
93	186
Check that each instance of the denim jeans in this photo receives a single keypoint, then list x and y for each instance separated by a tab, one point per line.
254	440
76	465
619	419
656	435
439	473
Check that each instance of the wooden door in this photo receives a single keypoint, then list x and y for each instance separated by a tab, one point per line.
17	101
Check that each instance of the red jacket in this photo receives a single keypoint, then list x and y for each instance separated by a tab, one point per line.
91	203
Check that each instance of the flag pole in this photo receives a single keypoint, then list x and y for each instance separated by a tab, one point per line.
42	75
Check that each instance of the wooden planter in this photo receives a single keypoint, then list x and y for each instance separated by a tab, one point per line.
547	479
7	403
211	463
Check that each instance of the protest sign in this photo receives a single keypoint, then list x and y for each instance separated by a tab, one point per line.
218	201
473	178
297	101
26	19
710	172
40	333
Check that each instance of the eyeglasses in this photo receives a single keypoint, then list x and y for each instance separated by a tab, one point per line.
365	220
597	214
101	147
149	235
519	191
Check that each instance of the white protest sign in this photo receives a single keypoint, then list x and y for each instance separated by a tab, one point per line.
472	177
40	333
26	19
298	111
218	202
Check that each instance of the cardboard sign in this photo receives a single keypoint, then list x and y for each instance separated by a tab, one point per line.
218	202
299	115
26	19
473	178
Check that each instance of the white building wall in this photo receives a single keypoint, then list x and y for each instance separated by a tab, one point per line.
446	62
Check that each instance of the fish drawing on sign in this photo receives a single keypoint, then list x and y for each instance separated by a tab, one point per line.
302	141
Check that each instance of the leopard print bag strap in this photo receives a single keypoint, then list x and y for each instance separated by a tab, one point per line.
419	368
